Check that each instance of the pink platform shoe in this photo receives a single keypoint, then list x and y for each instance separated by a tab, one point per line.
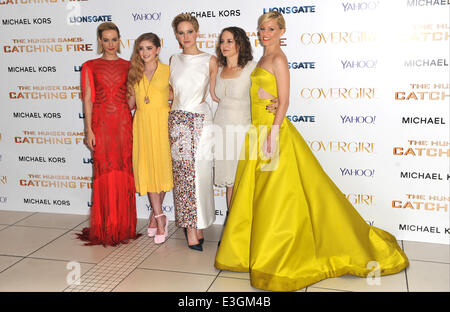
159	239
151	231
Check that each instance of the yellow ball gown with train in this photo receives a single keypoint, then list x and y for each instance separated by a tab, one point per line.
289	225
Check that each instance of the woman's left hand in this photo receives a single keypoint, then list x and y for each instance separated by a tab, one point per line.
272	108
270	144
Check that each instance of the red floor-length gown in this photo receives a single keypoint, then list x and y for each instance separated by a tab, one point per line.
113	212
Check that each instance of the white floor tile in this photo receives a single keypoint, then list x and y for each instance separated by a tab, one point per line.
37	275
7	261
226	284
68	247
427	251
10	217
428	276
164	281
389	283
53	220
174	255
213	233
26	239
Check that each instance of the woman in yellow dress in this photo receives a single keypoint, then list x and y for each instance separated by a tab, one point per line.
289	225
148	87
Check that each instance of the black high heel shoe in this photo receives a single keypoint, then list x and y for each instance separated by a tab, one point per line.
197	247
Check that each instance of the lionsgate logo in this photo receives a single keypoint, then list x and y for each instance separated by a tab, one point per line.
146	17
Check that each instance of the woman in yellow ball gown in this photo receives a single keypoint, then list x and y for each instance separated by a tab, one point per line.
289	225
148	87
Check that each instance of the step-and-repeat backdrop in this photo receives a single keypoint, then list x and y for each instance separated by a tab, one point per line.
369	93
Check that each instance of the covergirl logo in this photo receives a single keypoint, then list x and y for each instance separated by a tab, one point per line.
338	93
342	146
353	37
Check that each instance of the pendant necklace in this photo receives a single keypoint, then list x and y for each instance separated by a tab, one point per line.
146	98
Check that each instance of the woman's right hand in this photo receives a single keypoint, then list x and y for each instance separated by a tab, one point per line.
90	139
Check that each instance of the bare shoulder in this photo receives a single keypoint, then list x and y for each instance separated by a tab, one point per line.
279	59
266	63
213	60
213	63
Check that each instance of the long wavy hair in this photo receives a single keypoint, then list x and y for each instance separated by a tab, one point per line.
242	43
136	71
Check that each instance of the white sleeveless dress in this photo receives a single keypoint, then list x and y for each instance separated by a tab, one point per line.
191	140
233	116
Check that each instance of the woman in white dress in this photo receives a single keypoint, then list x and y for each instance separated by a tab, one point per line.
234	54
233	114
190	130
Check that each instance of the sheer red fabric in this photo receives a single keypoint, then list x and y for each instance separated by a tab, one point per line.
113	213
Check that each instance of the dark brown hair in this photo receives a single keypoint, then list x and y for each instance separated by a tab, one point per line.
242	43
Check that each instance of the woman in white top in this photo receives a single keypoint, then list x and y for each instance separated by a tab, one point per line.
234	54
233	114
190	131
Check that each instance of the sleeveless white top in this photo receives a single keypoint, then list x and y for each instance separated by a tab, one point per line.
189	78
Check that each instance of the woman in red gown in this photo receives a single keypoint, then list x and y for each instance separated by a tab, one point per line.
108	123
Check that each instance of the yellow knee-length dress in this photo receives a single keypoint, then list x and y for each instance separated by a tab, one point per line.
152	161
289	225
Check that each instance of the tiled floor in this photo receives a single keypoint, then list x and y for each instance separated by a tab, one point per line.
39	252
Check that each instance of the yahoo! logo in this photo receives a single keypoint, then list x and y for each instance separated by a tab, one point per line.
358	119
368	173
351	64
360	6
146	16
166	209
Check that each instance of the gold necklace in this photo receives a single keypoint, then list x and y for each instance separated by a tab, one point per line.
146	98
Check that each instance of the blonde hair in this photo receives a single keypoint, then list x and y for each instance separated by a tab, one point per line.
100	29
185	17
272	15
136	71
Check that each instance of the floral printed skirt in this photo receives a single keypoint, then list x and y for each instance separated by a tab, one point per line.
191	143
